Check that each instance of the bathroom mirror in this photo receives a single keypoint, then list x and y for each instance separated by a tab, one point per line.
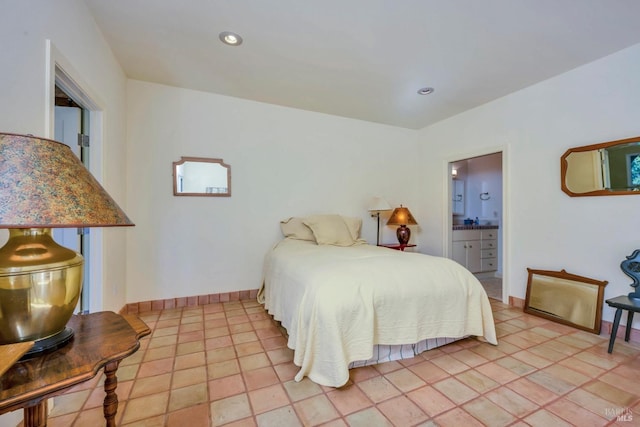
201	176
565	298
606	169
457	197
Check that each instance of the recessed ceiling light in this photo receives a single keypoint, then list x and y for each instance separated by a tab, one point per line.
425	91
232	39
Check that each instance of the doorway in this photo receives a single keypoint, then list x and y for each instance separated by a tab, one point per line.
476	214
62	76
71	123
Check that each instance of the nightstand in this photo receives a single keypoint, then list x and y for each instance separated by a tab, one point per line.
397	246
101	340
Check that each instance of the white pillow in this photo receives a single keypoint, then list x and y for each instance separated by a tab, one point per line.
330	230
354	225
294	228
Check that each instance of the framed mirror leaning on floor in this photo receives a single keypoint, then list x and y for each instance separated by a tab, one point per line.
565	298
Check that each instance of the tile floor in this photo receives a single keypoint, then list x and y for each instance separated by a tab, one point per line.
227	364
492	286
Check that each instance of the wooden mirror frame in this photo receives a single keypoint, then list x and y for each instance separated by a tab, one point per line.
593	147
566	300
183	160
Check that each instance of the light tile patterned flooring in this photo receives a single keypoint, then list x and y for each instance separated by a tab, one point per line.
492	286
227	364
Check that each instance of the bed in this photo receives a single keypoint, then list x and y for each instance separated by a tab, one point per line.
345	303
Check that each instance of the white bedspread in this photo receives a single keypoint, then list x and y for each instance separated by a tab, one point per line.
337	302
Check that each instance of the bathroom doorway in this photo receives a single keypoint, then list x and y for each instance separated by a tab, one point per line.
63	80
476	212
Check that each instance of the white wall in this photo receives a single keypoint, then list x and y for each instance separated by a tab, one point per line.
484	175
481	174
284	162
544	228
26	25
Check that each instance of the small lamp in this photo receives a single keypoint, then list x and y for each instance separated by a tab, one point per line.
402	217
378	204
44	185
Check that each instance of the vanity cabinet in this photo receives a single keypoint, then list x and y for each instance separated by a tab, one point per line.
476	249
467	249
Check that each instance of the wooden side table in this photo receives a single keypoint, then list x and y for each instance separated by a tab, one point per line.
100	340
622	303
397	246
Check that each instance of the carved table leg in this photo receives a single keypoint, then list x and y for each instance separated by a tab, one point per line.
111	398
36	416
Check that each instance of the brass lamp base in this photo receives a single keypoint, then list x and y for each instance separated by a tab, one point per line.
40	284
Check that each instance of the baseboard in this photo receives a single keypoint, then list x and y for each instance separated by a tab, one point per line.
164	304
516	302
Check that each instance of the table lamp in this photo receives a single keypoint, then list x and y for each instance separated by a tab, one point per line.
402	217
43	185
378	204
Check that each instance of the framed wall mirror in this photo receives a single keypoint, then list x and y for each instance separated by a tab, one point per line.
565	298
606	169
201	176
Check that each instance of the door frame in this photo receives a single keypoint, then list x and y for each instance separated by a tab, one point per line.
504	223
60	72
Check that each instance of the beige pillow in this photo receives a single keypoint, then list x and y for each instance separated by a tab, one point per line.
295	229
330	230
354	225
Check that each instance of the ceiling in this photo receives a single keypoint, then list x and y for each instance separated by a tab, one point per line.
364	59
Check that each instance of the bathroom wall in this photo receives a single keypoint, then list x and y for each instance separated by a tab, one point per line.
484	188
482	178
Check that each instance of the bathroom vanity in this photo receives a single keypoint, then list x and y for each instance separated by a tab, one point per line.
476	247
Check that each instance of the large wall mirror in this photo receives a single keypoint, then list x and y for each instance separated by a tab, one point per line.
201	176
606	169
